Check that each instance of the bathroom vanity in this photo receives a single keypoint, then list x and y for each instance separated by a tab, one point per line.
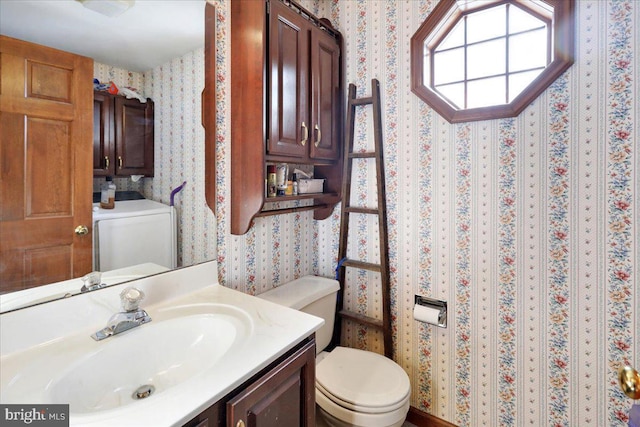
280	395
210	356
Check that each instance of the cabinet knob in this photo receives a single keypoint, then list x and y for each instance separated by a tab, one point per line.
305	131
81	230
106	162
119	162
240	423
319	135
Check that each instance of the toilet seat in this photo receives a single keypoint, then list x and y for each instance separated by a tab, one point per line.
362	381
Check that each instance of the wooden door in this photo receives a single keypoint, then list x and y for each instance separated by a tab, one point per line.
104	158
285	396
45	164
134	136
289	82
325	96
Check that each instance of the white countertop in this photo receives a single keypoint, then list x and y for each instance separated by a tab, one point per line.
274	330
40	294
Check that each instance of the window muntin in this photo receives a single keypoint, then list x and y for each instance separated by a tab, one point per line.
473	60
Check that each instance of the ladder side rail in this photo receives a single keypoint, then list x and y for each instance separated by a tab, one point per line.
382	220
344	213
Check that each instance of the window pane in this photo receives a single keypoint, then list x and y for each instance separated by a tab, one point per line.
528	50
486	24
448	66
520	20
454	94
486	92
486	59
519	82
455	38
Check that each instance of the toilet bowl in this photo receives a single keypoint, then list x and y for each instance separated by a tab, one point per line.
353	387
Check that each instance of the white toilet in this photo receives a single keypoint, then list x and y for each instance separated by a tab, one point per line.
353	387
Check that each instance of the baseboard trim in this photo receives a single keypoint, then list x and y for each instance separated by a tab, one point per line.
422	419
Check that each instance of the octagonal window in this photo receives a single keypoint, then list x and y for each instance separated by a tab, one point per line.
474	60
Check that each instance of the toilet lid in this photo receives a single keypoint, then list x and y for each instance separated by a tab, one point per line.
362	380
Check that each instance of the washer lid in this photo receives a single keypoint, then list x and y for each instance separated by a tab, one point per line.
362	380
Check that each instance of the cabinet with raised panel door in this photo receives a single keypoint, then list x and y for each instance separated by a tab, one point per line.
283	394
286	105
122	135
304	83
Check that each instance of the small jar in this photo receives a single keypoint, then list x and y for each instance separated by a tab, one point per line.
108	194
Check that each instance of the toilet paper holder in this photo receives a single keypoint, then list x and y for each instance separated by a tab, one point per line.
435	304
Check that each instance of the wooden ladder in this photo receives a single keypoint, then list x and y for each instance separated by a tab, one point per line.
383	324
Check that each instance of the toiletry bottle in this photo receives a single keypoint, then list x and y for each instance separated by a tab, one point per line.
282	172
295	185
108	194
271	180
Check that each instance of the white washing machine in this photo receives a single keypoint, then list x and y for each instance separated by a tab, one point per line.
134	232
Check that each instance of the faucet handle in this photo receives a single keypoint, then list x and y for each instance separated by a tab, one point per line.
130	298
91	281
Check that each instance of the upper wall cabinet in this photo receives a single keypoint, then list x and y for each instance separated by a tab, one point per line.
304	87
122	136
286	105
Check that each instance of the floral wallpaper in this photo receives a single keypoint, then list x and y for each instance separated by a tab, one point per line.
528	227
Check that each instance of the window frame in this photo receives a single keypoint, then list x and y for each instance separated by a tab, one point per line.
448	13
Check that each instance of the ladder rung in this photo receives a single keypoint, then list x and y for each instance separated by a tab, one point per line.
367	155
360	318
361	265
353	209
361	101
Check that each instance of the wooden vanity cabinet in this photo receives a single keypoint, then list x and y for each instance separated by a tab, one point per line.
283	394
286	105
122	135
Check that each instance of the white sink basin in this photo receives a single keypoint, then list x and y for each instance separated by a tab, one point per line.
156	356
179	344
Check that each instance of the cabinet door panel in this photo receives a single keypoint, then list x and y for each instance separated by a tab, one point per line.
325	81
134	137
103	144
289	84
285	396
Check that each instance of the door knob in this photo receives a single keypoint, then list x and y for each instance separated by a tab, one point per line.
81	230
629	380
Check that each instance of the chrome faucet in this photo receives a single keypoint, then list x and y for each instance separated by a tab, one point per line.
130	317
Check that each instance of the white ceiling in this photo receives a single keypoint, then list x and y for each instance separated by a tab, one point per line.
149	34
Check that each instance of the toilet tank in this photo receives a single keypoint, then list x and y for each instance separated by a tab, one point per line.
313	295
